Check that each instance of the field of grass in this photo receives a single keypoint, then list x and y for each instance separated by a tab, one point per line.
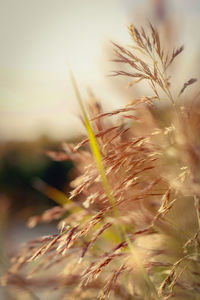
129	227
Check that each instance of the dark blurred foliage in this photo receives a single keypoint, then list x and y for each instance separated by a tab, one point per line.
21	164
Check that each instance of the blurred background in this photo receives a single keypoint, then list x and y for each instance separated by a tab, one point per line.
38	110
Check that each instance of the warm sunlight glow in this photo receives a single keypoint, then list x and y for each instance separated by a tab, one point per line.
39	39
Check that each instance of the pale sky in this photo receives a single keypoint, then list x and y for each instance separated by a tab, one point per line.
39	37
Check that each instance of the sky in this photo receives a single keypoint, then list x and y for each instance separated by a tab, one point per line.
41	38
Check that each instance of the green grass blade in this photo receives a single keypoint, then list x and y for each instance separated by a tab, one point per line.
51	192
94	146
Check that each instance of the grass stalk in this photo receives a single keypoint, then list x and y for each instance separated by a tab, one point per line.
99	163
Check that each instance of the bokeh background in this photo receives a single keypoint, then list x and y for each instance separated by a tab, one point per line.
39	40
